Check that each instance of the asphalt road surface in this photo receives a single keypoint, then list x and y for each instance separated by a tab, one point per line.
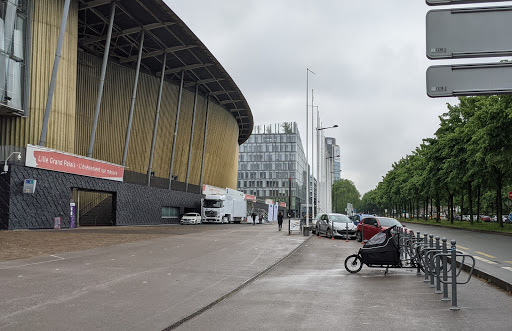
244	278
311	290
493	252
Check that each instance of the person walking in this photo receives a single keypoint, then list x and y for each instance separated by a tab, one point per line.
280	220
253	215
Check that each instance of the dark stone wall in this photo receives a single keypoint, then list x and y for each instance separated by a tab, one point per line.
135	204
4	200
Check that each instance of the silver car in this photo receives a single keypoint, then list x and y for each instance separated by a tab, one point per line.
314	221
341	224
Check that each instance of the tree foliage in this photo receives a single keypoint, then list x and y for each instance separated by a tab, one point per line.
466	164
344	191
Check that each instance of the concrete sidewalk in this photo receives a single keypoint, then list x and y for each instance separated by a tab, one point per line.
311	290
242	277
146	285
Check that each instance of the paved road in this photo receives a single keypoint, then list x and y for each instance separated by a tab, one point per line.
146	285
154	284
493	252
311	290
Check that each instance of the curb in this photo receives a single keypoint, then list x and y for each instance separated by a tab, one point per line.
506	234
235	290
500	283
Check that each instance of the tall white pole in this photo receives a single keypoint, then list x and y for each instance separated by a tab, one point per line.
318	155
307	152
312	158
306	231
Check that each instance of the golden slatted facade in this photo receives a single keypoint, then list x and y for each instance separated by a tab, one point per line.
74	104
221	148
18	132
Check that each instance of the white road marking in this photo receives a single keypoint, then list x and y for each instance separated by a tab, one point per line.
28	264
484	260
487	255
507	268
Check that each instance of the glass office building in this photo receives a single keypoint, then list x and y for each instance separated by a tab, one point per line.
271	157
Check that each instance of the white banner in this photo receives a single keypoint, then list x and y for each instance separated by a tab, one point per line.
276	210
270	213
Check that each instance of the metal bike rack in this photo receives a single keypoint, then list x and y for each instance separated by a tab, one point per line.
439	265
455	271
436	260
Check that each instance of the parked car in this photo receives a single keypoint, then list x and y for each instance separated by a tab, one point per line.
314	221
335	225
494	219
358	217
485	218
191	218
371	225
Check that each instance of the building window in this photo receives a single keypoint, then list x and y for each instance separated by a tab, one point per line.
170	212
13	21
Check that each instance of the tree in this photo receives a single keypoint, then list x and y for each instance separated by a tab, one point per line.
287	127
344	191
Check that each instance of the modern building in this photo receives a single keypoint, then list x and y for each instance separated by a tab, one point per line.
337	163
271	158
327	164
114	109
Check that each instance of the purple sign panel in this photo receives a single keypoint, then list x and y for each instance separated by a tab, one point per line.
72	215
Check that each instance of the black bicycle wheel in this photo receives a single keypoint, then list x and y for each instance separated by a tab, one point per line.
353	263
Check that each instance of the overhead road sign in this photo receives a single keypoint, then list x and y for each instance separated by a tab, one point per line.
469	32
457	2
469	79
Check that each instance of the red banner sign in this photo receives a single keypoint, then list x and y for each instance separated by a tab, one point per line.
49	159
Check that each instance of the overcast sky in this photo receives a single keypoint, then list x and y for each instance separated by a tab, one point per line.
369	63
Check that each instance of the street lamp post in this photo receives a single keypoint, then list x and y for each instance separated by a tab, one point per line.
306	228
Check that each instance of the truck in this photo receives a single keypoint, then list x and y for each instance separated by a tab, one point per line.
223	206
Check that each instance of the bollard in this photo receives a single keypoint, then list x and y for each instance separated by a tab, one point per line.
401	242
425	243
454	275
408	255
431	267
346	233
438	268
418	240
362	232
445	271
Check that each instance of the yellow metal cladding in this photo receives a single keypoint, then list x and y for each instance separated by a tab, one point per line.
74	104
221	159
15	131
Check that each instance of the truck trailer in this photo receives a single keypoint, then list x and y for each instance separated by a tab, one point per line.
229	207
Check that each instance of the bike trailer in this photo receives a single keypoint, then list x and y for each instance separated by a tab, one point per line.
381	249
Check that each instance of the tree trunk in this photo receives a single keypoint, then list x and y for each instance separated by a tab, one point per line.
499	202
470	195
478	203
451	207
461	204
438	207
425	209
417	208
431	207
